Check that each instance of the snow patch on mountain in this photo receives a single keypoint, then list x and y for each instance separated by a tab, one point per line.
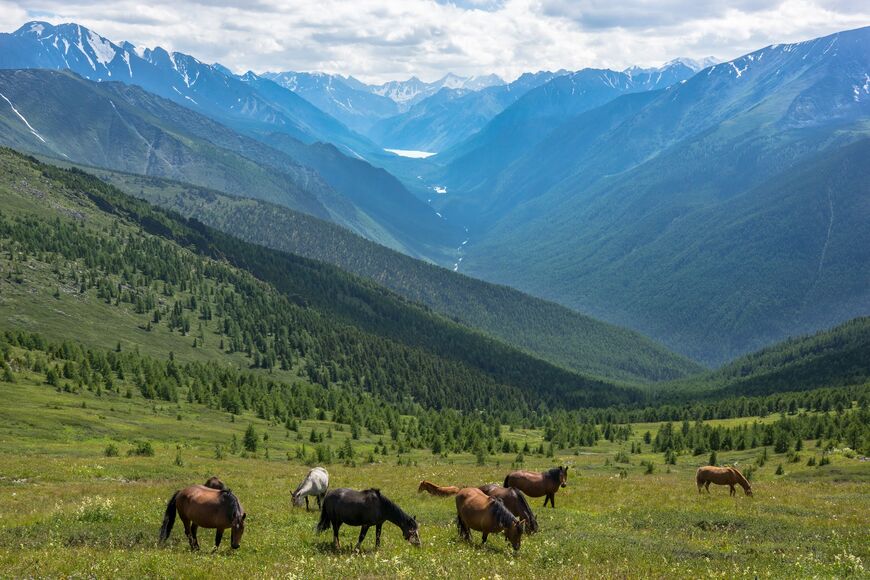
20	116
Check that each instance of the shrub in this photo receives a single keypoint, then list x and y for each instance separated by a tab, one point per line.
825	460
811	462
142	449
622	457
780	470
111	450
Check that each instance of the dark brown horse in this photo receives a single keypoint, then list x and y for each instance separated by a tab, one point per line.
535	484
477	511
515	501
365	508
199	506
721	476
433	489
215	483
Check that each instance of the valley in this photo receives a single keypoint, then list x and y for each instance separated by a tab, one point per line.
591	267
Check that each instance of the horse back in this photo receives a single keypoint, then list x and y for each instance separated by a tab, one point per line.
203	506
529	482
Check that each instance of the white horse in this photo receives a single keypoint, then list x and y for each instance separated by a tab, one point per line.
316	483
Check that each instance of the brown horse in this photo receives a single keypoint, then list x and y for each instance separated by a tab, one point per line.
477	511
515	501
199	506
721	476
535	484
433	489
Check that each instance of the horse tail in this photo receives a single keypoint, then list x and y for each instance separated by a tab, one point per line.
698	479
325	521
168	519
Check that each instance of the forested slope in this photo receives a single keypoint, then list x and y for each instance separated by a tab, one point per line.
544	329
280	310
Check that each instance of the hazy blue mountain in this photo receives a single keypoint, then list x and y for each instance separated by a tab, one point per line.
474	163
355	106
718	215
452	115
125	128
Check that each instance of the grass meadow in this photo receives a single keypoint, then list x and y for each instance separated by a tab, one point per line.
69	510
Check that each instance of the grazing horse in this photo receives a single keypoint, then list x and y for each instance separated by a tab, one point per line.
535	484
433	489
515	501
721	476
199	506
477	511
215	483
364	508
316	483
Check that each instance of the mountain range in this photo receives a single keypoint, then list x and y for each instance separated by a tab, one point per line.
717	215
715	207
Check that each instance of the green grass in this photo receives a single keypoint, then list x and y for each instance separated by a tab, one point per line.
67	509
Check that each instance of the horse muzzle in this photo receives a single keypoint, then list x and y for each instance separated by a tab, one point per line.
563	485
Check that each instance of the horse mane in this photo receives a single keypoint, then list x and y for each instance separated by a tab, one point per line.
502	515
231	502
555	474
740	478
521	497
389	506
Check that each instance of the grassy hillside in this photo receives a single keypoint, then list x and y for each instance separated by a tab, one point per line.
71	506
543	329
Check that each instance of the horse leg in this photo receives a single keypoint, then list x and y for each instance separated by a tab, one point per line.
306	504
731	485
193	528
187	533
463	529
553	500
362	536
335	543
218	536
320	497
485	536
378	535
707	486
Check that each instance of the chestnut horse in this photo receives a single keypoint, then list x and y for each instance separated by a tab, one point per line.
515	501
433	489
721	476
477	511
535	484
199	506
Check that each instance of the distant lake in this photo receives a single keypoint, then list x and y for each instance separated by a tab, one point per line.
408	153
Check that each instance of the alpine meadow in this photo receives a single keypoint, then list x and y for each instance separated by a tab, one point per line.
430	289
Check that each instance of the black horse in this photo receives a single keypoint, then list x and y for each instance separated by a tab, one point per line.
364	508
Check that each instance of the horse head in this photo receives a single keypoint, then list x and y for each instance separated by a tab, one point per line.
238	529
563	476
411	531
514	533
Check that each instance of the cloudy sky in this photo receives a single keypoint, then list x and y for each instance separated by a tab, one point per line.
378	40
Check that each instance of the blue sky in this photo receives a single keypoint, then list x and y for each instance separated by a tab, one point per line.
378	40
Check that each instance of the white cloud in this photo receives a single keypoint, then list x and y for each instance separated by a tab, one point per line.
379	40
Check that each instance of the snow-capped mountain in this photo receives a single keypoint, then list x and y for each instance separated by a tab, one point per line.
451	115
209	89
410	92
341	97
